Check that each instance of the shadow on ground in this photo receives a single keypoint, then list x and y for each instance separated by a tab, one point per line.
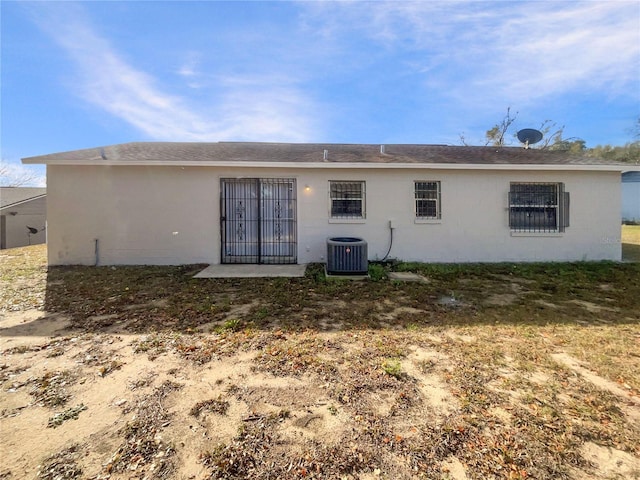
156	299
630	252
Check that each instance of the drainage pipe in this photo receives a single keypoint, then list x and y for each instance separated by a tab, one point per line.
390	241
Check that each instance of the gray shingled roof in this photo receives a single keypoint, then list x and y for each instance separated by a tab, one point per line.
12	195
314	152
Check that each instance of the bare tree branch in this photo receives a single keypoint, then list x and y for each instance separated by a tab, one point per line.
12	176
495	136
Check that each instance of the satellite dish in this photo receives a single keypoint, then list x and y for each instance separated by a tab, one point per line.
529	136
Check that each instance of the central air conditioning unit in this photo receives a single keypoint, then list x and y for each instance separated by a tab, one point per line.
347	256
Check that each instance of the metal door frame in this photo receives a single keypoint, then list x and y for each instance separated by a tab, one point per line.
261	229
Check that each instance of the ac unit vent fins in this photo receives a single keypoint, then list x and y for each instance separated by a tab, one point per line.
347	256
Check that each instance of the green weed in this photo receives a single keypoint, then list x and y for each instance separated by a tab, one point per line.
392	367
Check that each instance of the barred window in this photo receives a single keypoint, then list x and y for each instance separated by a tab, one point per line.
347	199
538	207
427	198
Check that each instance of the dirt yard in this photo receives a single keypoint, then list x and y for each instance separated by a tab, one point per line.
476	372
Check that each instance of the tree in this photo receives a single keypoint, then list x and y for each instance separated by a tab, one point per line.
495	135
552	139
628	153
552	135
635	130
16	176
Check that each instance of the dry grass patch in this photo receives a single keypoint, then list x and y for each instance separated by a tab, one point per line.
631	243
63	464
144	449
304	378
23	275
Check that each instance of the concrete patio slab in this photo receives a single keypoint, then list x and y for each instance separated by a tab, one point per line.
407	277
251	271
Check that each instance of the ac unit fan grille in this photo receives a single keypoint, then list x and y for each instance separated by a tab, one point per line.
347	256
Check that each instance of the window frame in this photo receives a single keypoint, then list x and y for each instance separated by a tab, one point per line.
437	200
538	208
345	195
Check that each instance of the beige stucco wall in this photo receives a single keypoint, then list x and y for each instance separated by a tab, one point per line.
474	225
138	215
15	219
170	215
15	230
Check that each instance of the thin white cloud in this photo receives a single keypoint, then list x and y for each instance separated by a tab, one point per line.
190	72
250	110
584	46
190	66
108	81
514	51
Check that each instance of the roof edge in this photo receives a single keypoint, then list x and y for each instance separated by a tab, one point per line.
20	202
345	165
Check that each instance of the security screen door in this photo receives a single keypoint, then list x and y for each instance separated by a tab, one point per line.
258	222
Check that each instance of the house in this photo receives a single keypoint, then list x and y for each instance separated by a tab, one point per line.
227	202
22	216
631	197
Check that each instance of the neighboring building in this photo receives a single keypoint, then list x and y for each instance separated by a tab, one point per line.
23	216
631	197
182	203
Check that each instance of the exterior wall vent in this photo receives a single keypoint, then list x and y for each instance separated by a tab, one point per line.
347	256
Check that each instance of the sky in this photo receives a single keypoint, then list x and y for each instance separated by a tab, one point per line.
85	74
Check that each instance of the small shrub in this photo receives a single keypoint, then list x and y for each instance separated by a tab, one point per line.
392	367
315	272
377	272
231	324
